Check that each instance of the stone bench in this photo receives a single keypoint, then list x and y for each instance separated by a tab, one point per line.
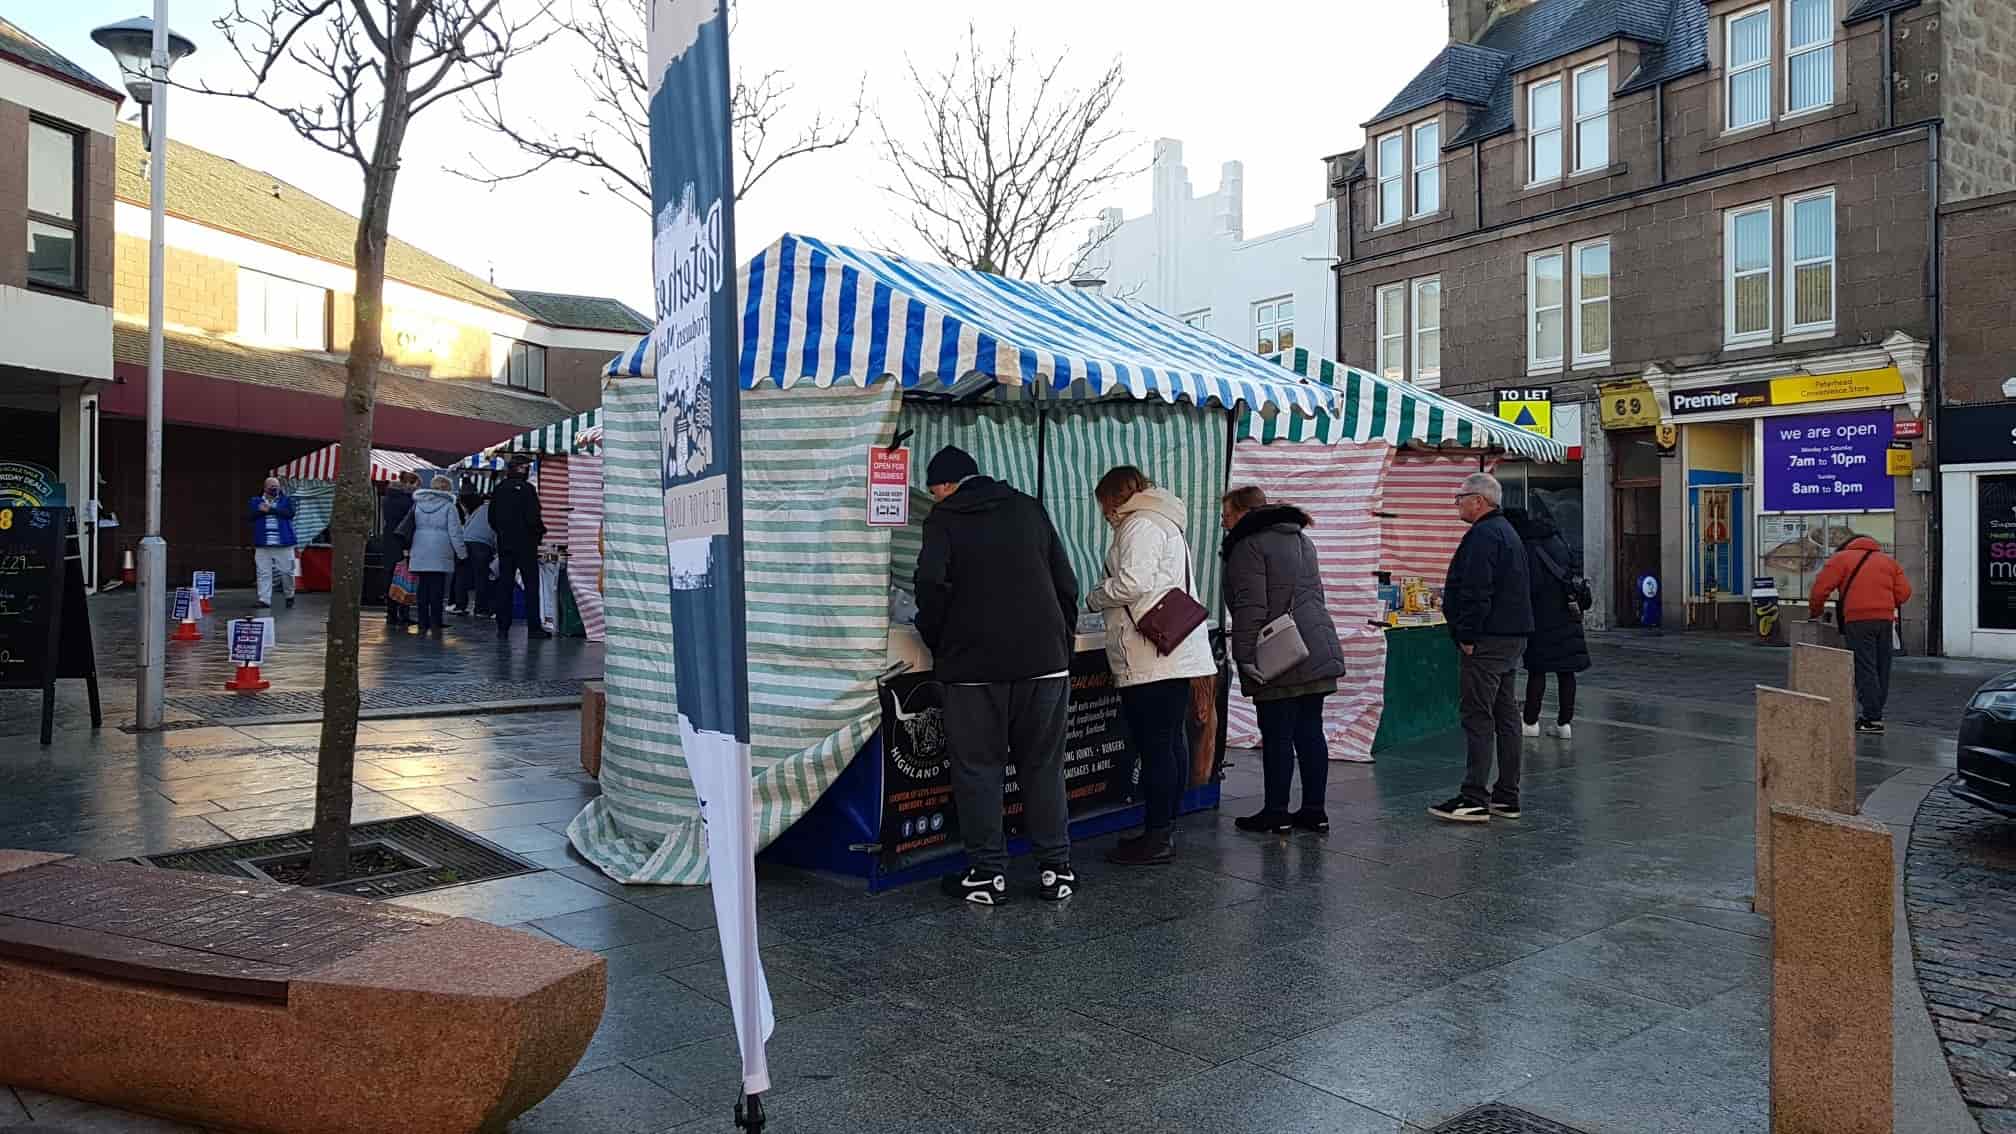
253	1006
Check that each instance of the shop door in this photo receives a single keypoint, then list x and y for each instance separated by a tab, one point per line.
1634	512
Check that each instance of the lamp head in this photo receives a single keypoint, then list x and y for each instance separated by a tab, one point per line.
131	42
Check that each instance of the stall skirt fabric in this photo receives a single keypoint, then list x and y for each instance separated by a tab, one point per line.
817	578
1340	487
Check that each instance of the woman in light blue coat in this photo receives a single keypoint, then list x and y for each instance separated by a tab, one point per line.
434	531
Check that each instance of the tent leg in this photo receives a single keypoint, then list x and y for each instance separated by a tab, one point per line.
749	1114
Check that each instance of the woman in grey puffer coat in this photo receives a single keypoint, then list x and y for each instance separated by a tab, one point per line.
1271	570
434	531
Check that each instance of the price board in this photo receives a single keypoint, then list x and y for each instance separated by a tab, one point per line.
45	626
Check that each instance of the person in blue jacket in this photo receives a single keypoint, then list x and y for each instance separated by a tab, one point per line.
272	516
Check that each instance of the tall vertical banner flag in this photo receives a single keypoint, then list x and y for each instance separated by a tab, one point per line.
697	337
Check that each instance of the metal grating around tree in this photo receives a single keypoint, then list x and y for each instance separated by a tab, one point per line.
430	854
1497	1118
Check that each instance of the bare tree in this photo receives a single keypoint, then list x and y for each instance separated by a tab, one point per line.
1007	159
350	76
613	138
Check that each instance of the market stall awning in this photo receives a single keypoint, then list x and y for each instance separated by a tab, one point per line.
1371	408
386	464
581	433
820	313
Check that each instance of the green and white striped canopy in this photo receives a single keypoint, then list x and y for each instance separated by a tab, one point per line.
1372	408
581	433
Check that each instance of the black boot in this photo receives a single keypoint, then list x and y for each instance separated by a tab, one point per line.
1265	822
1150	848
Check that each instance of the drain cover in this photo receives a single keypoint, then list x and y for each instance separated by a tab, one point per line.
429	854
1500	1119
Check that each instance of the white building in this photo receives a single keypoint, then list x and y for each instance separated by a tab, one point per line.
1190	257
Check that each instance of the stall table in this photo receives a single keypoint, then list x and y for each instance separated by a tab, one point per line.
1421	684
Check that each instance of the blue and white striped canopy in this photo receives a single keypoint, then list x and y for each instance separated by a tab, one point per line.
820	313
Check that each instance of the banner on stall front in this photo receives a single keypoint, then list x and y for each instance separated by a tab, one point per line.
1828	462
697	339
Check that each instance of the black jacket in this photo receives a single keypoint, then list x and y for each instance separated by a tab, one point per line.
1486	593
398	503
996	597
1271	570
514	516
1557	644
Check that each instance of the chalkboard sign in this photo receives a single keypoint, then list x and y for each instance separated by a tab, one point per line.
45	626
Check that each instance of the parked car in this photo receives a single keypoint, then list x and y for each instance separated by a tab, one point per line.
1987	763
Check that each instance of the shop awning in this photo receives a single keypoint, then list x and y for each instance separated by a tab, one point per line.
1371	408
322	464
581	433
820	313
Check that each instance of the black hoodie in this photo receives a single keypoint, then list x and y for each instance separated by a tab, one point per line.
997	600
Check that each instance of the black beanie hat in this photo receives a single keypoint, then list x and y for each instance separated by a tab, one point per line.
950	466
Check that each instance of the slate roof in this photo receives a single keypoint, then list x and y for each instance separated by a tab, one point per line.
18	45
1673	35
323	376
1871	9
582	312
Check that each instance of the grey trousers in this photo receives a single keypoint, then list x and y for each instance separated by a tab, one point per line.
990	727
1490	710
1871	642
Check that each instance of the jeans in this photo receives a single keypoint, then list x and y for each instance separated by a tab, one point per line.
1291	733
1536	690
472	580
273	565
1871	642
1157	717
1491	714
989	727
433	588
511	566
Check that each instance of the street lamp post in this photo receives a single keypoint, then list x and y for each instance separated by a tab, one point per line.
145	50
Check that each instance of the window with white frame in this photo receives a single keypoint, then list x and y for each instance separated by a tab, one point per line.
1391	310
1592	302
1746	62
1427	168
282	312
1392	172
1592	118
1274	325
1746	256
1428	332
1543	131
1809	55
1809	263
1544	303
1198	319
519	365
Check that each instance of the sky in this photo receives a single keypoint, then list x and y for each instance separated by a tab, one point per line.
1277	84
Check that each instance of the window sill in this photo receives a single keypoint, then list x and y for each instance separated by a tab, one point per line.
1412	222
1541	369
1809	334
1784	122
58	290
1614	169
1592	363
1761	343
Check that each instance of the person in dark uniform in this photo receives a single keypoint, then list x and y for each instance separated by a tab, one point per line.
514	518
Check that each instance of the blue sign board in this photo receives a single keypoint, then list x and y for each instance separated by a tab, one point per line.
204	583
1831	462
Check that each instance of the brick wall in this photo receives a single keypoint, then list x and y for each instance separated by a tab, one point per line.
98	200
202	291
1978	322
1979	84
13	194
441	348
574	377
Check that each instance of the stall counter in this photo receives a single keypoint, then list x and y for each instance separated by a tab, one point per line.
1421	685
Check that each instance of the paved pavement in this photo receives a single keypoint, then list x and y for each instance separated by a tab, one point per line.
1594	962
465	665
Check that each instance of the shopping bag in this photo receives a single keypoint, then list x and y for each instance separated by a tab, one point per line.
404	588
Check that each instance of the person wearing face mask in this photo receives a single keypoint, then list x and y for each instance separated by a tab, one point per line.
272	515
1148	559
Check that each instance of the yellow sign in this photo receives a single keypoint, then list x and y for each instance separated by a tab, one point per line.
1528	409
1898	462
1836	387
1630	406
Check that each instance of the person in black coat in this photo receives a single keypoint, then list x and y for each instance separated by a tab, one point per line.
515	517
997	603
396	506
1557	645
1490	613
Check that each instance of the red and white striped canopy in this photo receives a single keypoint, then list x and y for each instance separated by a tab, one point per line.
386	464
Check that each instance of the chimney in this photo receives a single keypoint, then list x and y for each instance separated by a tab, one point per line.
1468	18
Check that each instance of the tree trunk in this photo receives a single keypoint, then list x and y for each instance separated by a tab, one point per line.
349	527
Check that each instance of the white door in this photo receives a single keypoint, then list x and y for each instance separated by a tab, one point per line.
1980	561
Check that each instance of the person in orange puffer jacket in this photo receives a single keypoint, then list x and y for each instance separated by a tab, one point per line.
1872	587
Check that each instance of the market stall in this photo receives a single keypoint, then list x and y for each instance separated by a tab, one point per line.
568	603
845	352
1378	476
311	481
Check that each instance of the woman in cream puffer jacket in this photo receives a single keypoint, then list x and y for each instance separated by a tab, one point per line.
1149	557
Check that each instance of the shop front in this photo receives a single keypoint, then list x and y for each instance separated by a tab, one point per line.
1977	470
1771	469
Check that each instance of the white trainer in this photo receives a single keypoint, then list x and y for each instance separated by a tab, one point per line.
1562	731
1530	729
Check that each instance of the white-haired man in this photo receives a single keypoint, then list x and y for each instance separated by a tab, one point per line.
1490	615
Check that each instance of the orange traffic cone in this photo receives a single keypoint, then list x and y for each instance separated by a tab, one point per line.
186	631
248	679
128	573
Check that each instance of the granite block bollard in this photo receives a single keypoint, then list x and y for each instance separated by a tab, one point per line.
1831	980
1798	763
1824	671
594	714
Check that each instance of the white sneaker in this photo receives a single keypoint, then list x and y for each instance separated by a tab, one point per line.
1530	730
1564	732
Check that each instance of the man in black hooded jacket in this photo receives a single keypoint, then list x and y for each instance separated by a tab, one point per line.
997	603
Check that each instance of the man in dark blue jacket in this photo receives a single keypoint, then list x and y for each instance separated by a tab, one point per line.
272	516
1490	612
